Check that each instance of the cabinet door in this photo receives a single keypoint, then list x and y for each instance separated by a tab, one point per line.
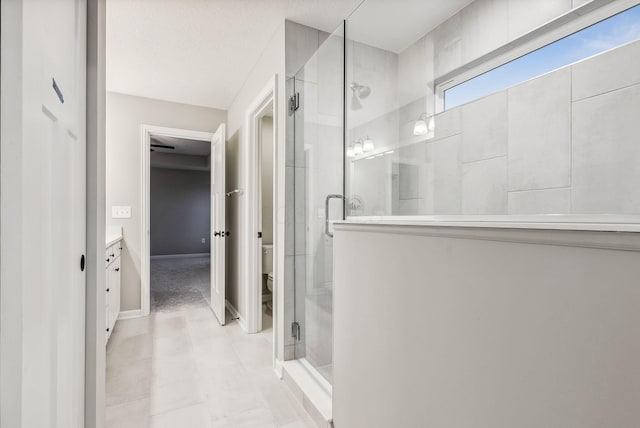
108	299
115	285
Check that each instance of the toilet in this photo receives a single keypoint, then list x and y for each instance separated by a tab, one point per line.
267	275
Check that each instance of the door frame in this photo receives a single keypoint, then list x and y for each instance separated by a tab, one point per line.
265	101
145	201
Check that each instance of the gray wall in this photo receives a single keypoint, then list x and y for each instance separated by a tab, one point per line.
180	211
125	115
485	328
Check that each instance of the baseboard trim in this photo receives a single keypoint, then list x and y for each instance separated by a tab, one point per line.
127	315
179	256
277	368
314	397
234	313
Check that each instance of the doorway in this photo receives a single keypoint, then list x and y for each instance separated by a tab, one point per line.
180	223
181	180
261	261
266	174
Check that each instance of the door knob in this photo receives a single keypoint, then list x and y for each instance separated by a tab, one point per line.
82	262
216	234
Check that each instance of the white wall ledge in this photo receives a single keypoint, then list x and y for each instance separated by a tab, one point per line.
601	223
603	235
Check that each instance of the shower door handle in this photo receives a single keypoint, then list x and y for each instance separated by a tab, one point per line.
326	213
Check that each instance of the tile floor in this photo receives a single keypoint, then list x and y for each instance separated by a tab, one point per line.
179	368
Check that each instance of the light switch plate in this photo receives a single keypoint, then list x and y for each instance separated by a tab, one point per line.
120	212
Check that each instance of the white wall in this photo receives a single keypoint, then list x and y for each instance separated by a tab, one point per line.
95	355
270	64
485	328
125	115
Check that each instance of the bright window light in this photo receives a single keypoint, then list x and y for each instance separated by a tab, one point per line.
597	38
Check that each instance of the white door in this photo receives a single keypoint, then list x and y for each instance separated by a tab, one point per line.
218	224
53	213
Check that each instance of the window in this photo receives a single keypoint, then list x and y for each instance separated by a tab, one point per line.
597	38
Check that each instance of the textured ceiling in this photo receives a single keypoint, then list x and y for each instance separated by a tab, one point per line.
200	52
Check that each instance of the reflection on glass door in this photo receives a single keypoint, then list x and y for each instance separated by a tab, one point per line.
319	178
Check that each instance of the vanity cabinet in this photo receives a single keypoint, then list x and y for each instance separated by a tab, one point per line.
112	285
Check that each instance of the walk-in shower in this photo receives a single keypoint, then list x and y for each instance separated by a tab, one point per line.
385	125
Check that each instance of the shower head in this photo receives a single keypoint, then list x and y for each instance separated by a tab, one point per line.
364	92
360	92
355	102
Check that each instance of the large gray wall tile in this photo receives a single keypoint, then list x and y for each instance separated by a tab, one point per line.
447	39
484	186
448	123
444	175
549	201
525	16
606	72
484	128
606	153
300	44
539	148
411	170
484	28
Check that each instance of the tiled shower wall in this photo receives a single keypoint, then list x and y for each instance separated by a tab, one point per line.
563	143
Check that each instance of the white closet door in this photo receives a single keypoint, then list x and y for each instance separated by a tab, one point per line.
53	206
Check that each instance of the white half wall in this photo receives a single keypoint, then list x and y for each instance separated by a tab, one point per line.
485	328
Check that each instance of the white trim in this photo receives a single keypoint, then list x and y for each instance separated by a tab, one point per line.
312	385
597	223
570	237
266	100
127	315
235	314
277	368
145	191
180	256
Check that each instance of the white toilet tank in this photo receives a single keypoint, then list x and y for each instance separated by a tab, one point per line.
267	259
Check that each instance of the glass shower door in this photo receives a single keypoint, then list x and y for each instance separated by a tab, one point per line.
319	186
